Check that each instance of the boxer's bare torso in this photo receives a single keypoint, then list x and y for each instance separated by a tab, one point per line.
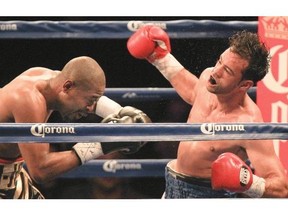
33	80
195	157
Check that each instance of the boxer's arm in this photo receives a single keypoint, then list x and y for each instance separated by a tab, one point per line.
266	163
43	165
153	43
230	173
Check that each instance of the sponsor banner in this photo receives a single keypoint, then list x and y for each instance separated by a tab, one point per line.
272	91
120	168
99	132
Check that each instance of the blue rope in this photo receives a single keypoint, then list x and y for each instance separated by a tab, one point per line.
101	132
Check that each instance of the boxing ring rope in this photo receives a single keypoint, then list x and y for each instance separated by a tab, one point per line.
101	132
131	168
120	29
150	94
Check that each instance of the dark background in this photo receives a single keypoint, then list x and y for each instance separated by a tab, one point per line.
121	70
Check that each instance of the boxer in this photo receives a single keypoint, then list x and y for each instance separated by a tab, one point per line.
211	169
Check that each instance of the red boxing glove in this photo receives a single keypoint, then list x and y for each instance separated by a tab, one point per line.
230	173
149	42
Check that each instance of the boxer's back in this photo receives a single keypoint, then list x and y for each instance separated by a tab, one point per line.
10	96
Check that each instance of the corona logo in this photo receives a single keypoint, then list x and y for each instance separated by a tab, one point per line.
114	165
135	25
8	27
212	128
129	95
40	130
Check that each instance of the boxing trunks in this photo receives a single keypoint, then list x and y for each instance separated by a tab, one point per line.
180	186
15	182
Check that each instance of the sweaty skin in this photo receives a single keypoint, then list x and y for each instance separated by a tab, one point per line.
33	96
219	95
17	91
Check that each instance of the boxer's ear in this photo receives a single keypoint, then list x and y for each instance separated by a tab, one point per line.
68	84
246	84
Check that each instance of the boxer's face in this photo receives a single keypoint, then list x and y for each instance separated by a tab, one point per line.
227	73
78	103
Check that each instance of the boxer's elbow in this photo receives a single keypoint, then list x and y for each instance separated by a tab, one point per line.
41	175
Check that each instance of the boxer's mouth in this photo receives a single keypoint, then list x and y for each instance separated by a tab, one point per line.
212	80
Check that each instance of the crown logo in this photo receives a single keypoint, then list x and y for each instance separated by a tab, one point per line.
276	27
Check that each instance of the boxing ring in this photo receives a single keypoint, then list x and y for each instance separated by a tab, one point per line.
88	132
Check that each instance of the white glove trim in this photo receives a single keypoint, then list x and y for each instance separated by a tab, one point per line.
105	106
